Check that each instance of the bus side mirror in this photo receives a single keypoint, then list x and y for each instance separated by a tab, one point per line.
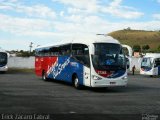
155	65
127	61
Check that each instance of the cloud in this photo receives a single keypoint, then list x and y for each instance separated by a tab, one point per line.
10	1
115	3
61	13
89	6
94	6
42	31
8	44
40	11
76	25
5	7
116	9
21	26
156	16
37	11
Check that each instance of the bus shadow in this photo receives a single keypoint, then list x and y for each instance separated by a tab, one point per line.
128	89
2	72
59	82
131	88
84	88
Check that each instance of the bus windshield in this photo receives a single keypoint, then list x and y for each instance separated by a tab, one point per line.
157	62
108	56
146	63
3	59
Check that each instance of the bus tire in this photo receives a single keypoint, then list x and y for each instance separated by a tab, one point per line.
44	77
76	82
151	75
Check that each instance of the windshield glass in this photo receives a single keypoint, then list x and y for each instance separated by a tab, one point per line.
108	56
157	62
146	63
3	59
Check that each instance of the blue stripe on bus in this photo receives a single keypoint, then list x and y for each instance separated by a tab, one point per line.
63	70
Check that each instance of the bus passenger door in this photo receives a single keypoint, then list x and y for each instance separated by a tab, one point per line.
80	54
86	76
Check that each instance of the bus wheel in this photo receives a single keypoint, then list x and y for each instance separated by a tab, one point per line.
76	82
151	75
44	76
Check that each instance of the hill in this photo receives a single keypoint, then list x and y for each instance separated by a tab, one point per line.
134	37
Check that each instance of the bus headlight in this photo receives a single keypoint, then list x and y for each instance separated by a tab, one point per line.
124	78
96	77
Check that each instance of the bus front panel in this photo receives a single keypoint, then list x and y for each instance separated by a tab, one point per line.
109	65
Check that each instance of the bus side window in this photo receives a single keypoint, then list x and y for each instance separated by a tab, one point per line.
65	50
81	53
157	62
39	53
45	52
54	51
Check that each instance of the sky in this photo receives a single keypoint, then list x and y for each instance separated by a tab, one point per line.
49	21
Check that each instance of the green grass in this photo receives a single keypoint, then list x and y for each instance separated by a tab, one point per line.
134	37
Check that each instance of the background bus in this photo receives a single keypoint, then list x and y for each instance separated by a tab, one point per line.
150	64
95	62
3	60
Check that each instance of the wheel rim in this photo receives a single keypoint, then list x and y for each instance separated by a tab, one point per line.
76	82
44	76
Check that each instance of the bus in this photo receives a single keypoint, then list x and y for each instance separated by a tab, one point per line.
98	61
150	64
3	61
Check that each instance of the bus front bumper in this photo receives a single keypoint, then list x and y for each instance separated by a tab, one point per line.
109	82
151	72
4	68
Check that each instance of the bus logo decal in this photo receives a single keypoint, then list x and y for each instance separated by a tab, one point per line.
57	68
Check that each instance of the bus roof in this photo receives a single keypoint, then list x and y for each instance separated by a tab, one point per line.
153	55
85	40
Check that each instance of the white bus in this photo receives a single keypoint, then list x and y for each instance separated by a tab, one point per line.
150	64
3	60
95	62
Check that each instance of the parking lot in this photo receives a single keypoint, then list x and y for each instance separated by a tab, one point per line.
25	93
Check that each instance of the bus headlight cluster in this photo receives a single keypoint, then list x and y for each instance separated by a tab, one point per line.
124	78
96	77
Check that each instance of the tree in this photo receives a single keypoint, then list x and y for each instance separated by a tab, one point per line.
145	47
22	53
128	28
158	48
136	48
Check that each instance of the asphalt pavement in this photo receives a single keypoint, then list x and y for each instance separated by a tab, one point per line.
25	93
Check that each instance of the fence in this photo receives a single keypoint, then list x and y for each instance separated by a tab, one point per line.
21	62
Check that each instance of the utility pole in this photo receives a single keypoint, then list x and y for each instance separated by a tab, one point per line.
30	46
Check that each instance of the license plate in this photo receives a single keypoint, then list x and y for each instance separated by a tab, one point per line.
112	83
